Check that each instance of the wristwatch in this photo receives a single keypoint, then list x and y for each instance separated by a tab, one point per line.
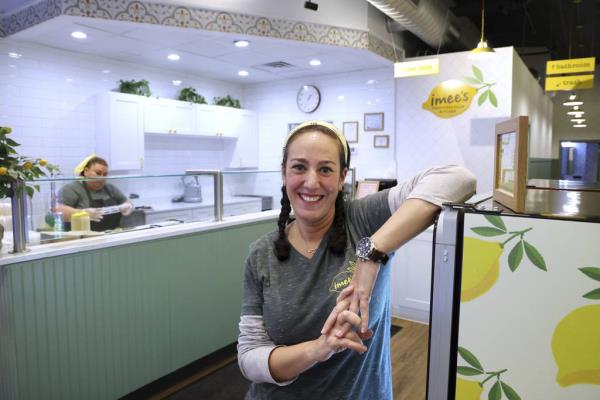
366	250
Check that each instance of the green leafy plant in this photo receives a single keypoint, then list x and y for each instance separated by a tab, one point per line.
14	167
499	388
190	94
141	88
487	94
522	246
227	101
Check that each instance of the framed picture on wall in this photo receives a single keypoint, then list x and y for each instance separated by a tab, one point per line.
350	129
373	121
510	163
381	141
365	188
292	125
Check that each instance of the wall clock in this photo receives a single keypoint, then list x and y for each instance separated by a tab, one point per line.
308	98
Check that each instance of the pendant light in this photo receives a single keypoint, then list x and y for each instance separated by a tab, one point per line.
482	51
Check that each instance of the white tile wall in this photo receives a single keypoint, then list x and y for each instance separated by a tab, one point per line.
47	97
276	104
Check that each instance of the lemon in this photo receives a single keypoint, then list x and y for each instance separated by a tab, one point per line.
467	390
576	347
43	162
27	165
450	98
480	267
3	170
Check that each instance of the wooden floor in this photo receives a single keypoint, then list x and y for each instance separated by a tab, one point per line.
409	360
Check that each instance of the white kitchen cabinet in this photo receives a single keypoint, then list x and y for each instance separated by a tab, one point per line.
411	278
169	116
245	150
218	121
120	130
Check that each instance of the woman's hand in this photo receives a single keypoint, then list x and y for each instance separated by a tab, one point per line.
95	214
330	343
126	208
363	279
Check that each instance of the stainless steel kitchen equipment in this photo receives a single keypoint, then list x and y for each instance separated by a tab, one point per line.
192	190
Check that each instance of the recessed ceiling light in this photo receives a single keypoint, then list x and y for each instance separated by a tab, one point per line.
315	63
15	55
69	80
243	73
580	126
578	120
79	35
241	43
341	97
173	57
572	97
576	113
575	108
572	103
106	71
371	81
176	82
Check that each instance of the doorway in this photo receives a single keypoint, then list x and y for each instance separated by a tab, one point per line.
579	160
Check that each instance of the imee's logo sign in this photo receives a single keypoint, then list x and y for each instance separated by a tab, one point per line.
453	97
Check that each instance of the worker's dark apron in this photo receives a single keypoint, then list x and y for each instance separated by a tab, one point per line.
109	221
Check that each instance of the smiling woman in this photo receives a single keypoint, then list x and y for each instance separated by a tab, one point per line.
295	276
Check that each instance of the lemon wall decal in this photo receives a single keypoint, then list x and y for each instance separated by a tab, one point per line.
480	267
468	390
450	98
576	347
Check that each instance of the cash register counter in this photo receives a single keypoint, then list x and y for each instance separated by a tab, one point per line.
98	318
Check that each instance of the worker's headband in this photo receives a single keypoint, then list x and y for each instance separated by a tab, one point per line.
81	166
327	126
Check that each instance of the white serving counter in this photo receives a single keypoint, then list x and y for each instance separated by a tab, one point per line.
129	237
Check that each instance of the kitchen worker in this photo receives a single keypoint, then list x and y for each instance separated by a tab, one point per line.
330	261
103	201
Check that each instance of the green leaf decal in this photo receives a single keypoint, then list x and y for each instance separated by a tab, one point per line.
493	99
515	256
468	371
495	392
534	256
477	72
509	392
592	272
496	221
593	295
483	97
487	231
470	358
474	81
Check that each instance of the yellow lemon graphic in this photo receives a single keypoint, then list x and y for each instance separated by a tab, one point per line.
480	267
576	347
450	98
467	390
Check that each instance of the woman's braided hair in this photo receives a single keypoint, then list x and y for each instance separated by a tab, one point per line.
337	243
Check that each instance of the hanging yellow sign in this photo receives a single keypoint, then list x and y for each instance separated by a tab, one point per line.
450	98
573	82
405	69
571	66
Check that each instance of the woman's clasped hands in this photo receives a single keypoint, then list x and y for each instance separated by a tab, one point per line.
341	320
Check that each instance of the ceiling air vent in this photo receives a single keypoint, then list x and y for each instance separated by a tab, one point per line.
276	66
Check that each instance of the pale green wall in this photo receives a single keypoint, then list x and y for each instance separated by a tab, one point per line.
100	324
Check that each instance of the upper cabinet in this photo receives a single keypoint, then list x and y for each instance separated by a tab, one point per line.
169	116
120	130
219	121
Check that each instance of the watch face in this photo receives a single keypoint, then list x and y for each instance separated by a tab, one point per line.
363	247
308	98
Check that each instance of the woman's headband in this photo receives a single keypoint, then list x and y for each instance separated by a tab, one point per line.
326	125
81	166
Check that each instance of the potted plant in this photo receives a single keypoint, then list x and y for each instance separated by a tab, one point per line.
190	94
227	101
141	88
15	168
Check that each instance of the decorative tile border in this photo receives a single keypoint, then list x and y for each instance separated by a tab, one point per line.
195	18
